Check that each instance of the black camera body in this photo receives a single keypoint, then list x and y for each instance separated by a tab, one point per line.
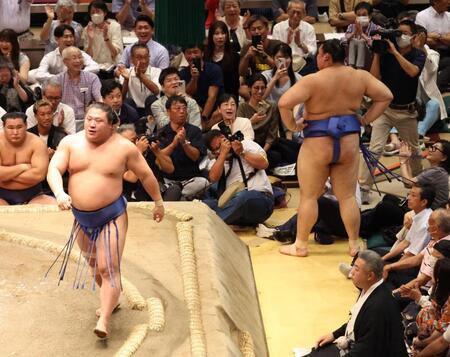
154	137
381	46
226	131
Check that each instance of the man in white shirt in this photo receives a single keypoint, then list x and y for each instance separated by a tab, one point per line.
436	19
15	15
2	112
298	34
53	64
241	162
63	115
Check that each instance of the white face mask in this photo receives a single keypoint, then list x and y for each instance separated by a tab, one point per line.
363	20
403	41
97	18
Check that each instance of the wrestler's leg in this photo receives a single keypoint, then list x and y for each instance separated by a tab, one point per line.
110	289
313	171
90	257
344	175
3	202
43	200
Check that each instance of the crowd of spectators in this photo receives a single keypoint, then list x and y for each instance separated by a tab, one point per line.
209	125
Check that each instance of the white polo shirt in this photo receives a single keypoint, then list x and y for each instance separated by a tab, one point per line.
137	90
417	235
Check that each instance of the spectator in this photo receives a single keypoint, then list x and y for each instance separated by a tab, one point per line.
51	135
79	87
204	80
257	55
112	95
399	70
102	36
265	118
358	37
169	79
9	48
2	112
280	9
155	158
437	175
184	144
211	7
374	328
342	17
63	115
23	163
220	52
64	10
126	12
53	63
437	346
159	56
300	36
241	162
14	94
141	80
436	20
15	15
227	105
235	22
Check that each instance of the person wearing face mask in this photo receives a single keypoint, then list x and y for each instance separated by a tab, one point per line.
358	38
102	36
64	11
399	69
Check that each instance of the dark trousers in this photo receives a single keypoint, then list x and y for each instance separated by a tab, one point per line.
326	351
443	77
283	152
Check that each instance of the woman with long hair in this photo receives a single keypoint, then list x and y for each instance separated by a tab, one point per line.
10	49
219	51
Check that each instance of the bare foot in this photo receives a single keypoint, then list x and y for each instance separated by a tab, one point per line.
293	250
98	311
353	247
100	330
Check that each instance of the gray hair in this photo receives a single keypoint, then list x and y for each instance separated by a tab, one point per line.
68	51
373	262
222	3
64	3
52	82
442	217
298	2
126	127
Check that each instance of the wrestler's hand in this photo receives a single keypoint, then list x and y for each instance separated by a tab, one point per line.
158	213
64	201
300	125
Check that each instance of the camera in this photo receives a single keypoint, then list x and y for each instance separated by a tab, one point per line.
197	62
381	46
153	137
256	40
226	131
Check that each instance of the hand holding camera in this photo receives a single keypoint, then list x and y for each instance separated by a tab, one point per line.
142	144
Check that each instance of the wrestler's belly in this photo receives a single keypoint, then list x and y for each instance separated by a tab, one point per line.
91	191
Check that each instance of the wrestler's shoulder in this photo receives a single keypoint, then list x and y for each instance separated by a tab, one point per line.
34	141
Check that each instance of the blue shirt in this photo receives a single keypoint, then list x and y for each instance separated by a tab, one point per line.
129	21
210	76
159	56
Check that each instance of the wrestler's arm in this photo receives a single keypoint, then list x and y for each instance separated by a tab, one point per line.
299	93
8	173
39	165
57	167
380	94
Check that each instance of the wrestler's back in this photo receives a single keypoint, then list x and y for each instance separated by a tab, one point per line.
96	171
334	91
13	155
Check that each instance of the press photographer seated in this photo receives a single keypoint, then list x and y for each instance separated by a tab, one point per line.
243	195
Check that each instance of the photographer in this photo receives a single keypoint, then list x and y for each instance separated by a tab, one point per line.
399	69
239	162
156	159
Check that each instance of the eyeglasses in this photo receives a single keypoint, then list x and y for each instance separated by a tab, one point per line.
435	148
179	108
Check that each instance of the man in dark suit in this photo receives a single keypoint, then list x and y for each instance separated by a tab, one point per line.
374	328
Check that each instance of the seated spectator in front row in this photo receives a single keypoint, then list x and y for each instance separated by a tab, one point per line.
112	95
254	203
23	163
102	36
227	107
143	28
14	94
141	80
183	142
53	62
374	328
169	79
438	346
79	88
204	80
51	135
63	115
156	160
